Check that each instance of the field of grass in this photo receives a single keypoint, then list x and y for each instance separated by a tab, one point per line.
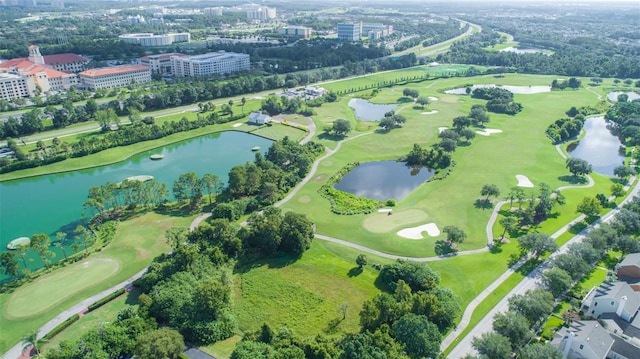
304	295
277	131
136	243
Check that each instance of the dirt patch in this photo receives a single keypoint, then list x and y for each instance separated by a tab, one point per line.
304	199
319	178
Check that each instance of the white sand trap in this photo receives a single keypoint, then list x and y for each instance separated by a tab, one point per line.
429	112
416	232
440	129
385	210
488	131
523	181
237	125
433	98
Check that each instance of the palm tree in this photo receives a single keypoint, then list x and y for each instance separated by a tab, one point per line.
243	101
31	339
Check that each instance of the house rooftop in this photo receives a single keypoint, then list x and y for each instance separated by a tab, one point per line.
620	290
589	332
632	259
61	59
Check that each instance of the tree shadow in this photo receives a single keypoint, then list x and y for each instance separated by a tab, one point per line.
404	99
247	264
482	203
578	227
355	271
609	261
575	180
132	296
419	107
332	326
330	137
442	248
528	266
497	246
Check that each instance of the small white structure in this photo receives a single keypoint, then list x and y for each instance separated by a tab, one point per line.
259	118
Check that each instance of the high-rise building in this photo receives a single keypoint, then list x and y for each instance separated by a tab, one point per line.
349	31
212	63
212	11
159	64
261	13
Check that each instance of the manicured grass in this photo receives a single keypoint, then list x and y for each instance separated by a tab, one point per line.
304	295
135	244
41	295
277	131
222	349
521	149
102	316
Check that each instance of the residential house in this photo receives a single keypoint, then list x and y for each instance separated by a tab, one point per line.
629	270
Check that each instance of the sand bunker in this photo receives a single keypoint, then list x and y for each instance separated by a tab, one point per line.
237	125
429	112
416	232
523	181
433	98
440	129
385	210
488	131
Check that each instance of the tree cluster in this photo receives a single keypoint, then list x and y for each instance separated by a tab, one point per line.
624	119
499	100
572	83
564	129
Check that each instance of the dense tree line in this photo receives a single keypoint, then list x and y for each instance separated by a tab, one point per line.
570	58
624	119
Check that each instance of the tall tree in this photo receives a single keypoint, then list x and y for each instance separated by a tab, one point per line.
9	264
40	243
212	183
454	234
537	244
163	343
489	190
513	326
534	305
508	223
61	241
556	280
420	337
578	167
492	345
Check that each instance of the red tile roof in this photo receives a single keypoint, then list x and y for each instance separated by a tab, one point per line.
112	70
63	59
12	63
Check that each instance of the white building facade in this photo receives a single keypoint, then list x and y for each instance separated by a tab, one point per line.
114	77
212	63
349	31
15	86
149	39
296	31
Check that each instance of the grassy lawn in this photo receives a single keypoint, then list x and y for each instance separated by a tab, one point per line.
136	243
277	131
304	295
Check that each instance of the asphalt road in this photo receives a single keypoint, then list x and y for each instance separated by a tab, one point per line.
532	281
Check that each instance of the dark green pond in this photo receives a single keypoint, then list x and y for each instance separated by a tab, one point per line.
383	180
52	203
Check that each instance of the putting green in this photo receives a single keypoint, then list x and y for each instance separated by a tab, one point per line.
381	222
49	290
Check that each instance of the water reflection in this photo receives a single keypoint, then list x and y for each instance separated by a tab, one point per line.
383	180
613	96
367	111
598	147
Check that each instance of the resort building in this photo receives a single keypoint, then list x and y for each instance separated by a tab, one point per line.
112	77
212	63
15	86
349	31
44	78
149	39
296	31
212	11
159	64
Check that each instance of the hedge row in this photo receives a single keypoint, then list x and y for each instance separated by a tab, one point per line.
343	202
62	326
106	299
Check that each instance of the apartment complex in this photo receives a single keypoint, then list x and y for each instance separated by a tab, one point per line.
261	13
212	63
212	11
296	31
149	39
159	64
112	77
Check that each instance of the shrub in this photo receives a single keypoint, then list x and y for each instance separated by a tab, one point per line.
62	326
106	299
343	202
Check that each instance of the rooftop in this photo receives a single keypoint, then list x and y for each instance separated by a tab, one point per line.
63	59
113	70
632	259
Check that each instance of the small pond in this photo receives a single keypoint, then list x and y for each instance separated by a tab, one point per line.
518	50
367	111
383	180
613	96
524	90
599	147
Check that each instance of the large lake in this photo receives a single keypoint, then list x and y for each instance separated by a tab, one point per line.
367	111
383	180
48	204
598	147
